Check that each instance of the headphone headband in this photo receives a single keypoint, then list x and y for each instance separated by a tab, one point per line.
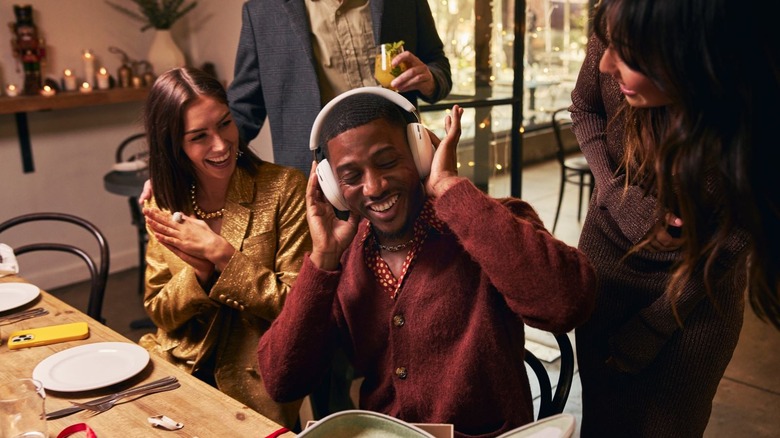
390	95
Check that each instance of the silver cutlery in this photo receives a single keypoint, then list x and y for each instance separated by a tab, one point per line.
21	316
165	381
108	404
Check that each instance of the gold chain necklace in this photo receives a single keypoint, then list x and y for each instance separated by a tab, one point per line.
394	248
199	211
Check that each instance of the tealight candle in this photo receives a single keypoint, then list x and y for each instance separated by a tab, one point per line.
68	80
102	79
89	67
48	91
11	90
85	87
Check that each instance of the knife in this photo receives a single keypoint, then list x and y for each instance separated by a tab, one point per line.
73	409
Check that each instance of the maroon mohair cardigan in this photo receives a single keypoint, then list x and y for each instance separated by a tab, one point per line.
458	355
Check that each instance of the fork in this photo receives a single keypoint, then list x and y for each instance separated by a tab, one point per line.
137	393
73	409
21	316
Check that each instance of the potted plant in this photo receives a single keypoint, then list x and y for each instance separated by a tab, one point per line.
164	54
158	14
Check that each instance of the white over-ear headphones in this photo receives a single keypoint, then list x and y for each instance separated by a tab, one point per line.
417	136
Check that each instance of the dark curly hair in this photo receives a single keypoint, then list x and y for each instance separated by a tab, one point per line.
358	110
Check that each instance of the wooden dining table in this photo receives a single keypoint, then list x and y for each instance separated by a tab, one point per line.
203	410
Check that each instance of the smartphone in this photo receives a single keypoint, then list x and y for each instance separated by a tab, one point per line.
35	337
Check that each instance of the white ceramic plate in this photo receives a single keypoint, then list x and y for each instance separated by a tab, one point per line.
13	295
91	366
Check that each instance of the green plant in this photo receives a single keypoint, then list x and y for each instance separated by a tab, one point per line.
159	14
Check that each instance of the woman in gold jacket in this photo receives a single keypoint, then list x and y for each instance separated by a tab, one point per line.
219	267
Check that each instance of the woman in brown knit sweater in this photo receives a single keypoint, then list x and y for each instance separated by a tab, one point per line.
711	157
644	374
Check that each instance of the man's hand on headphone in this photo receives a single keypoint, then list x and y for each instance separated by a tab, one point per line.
444	168
330	235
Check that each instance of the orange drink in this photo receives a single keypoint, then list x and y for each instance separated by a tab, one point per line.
384	72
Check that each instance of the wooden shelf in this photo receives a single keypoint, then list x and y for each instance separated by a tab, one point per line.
19	106
71	99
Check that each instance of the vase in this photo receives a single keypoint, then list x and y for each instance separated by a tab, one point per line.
164	54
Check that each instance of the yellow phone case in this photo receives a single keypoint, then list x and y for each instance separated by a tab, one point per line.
35	337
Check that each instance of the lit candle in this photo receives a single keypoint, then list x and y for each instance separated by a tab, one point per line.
102	79
85	87
48	91
68	80
11	90
89	67
137	82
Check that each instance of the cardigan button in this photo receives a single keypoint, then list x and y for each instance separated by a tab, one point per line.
401	372
398	320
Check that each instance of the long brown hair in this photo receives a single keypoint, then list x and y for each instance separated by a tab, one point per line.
709	151
170	169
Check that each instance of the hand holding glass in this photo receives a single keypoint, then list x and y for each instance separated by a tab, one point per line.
384	72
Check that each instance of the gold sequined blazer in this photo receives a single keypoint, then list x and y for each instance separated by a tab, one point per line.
265	220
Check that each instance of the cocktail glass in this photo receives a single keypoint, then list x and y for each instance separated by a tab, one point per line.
384	72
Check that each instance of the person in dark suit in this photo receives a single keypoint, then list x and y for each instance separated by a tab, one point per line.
281	71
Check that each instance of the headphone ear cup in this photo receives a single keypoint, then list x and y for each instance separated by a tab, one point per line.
329	186
422	148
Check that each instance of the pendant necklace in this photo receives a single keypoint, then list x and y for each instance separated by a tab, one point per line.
395	248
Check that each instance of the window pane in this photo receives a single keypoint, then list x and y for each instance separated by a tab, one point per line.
479	40
554	49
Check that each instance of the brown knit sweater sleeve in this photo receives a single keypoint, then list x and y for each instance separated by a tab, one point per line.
636	344
595	102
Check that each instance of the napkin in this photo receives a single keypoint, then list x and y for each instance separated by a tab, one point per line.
8	265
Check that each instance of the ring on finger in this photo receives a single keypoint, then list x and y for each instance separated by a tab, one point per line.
177	217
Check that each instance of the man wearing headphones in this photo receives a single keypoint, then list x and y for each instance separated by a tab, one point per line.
427	284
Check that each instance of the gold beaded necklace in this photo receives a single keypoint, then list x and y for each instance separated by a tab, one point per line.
199	211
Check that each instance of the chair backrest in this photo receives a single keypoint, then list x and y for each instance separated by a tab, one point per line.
552	404
139	153
558	123
98	272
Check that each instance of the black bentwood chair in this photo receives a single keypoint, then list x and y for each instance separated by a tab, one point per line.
98	271
130	184
552	404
